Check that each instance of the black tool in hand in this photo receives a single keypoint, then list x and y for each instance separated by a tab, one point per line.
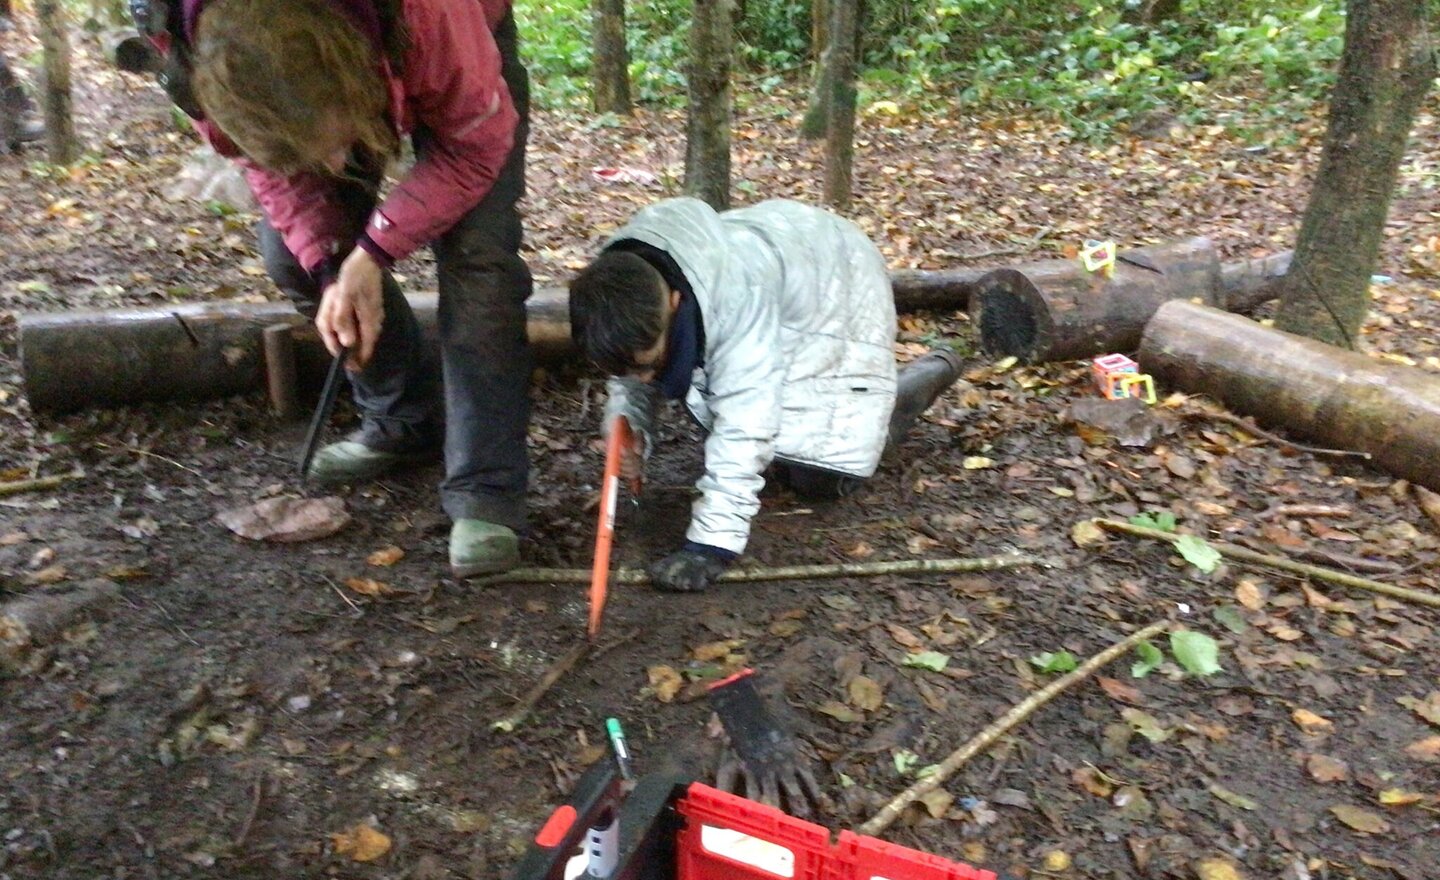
322	410
763	752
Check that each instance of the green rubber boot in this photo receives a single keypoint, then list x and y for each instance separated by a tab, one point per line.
350	461
478	547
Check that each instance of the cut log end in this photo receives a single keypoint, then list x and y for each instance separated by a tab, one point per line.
1013	320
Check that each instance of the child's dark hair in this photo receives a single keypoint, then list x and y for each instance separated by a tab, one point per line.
616	310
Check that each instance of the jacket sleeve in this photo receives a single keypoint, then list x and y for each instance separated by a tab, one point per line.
745	372
454	86
637	402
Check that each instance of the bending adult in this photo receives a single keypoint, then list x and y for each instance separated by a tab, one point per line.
313	97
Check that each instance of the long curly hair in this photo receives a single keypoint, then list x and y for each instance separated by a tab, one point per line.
273	74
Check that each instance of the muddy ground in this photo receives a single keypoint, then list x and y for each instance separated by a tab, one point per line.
239	704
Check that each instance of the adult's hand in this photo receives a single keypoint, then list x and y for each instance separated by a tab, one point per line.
352	309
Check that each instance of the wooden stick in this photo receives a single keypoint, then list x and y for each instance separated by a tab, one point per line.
1001	726
777	573
1240	553
1249	427
39	484
526	703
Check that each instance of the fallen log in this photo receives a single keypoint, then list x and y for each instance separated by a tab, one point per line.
1341	398
38	619
1056	310
74	360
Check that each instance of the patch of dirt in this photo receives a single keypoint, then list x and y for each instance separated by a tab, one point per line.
241	703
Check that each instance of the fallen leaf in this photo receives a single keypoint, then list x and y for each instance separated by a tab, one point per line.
905	761
839	602
904	637
1150	659
839	711
1234	799
786	628
1195	651
1326	769
386	556
1427	749
1429	502
1093	781
1310	722
1198	553
1248	594
917	544
53	574
1055	661
368	586
1428	708
1217	869
1145	724
977	462
712	651
937	802
861	550
931	660
1396	797
1086	532
1057	860
665	681
286	520
1360	820
361	843
1120	691
866	693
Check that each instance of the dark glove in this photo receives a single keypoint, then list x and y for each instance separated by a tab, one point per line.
690	569
762	752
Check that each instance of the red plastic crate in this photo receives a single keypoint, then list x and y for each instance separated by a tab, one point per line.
809	854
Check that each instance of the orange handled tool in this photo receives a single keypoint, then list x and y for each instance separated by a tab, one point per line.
621	437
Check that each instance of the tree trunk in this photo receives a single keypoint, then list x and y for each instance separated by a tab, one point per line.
1151	12
817	117
610	71
1387	67
840	115
13	105
707	146
1337	397
61	142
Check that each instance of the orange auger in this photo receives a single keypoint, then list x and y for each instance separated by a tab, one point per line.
620	437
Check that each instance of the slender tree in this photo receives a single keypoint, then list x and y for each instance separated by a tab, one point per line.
707	145
1387	67
61	142
1151	12
610	73
816	119
840	117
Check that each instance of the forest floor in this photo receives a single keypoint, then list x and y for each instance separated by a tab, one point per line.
239	705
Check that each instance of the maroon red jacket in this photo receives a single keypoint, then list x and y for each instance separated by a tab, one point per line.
450	83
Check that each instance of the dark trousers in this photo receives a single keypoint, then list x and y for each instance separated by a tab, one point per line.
484	356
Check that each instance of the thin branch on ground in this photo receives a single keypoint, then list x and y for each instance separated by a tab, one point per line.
1240	553
1001	726
1249	427
525	704
38	484
778	573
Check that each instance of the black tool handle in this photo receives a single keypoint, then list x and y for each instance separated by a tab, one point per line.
322	410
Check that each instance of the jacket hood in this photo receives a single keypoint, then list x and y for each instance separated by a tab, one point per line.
688	230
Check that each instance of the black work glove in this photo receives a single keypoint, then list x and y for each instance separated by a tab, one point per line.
690	569
762	752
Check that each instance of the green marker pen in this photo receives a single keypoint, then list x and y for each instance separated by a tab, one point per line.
622	752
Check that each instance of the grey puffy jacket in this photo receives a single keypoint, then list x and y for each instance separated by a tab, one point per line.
798	365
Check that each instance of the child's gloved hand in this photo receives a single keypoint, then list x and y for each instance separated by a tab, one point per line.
690	569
